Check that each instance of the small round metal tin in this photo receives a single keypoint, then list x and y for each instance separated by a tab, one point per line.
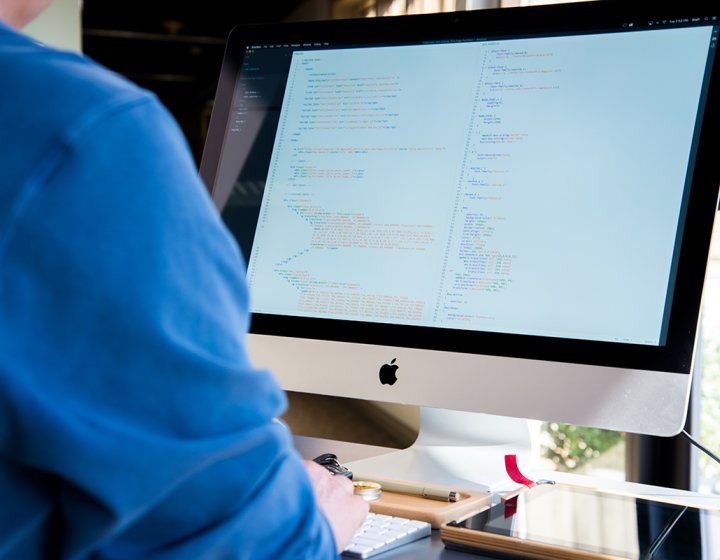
368	491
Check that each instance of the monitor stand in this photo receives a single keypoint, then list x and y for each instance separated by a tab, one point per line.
461	449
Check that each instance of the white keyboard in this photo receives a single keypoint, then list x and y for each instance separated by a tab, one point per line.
381	533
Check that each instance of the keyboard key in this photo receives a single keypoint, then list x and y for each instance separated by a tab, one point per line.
358	550
381	533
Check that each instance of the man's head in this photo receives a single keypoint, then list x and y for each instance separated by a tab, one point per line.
18	13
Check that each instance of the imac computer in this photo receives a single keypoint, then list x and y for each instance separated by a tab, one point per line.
504	212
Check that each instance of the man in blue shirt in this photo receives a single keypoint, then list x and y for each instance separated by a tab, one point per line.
132	424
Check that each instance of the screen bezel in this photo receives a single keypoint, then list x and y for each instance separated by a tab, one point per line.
675	356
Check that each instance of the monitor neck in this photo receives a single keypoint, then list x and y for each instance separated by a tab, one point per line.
453	448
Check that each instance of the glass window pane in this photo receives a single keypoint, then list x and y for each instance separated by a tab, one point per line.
709	435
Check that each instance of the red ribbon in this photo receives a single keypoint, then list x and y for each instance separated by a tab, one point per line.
514	472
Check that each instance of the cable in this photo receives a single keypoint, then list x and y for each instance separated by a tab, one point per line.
699	445
662	537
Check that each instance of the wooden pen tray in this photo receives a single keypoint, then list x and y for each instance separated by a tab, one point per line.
435	512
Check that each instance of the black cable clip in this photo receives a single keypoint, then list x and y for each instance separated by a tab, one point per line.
331	463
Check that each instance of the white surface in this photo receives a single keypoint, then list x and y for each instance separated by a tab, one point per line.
59	26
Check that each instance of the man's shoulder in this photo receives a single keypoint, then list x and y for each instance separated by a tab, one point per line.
49	86
47	97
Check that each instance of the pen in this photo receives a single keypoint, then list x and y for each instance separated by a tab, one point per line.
422	491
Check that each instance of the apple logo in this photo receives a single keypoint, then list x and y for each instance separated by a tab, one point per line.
387	373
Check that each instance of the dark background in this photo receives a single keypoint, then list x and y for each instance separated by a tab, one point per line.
175	47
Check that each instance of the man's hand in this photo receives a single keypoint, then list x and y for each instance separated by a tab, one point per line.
334	494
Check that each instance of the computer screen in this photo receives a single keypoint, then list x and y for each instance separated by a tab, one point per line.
500	211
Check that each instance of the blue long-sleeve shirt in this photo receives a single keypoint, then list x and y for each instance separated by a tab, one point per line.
132	424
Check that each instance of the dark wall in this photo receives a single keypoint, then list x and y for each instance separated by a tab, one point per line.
173	47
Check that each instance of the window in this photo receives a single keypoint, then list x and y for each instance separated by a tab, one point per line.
708	389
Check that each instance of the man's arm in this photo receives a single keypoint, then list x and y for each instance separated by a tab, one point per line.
335	496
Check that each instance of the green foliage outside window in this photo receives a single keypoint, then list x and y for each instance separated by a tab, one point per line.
710	408
570	447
